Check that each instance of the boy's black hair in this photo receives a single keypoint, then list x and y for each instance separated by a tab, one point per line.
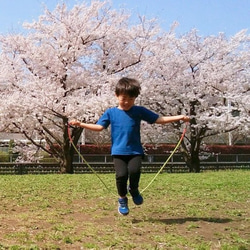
128	86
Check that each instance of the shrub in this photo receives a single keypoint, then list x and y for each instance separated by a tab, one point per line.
166	148
46	158
4	156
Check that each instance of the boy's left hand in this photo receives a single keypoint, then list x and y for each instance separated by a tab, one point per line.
186	118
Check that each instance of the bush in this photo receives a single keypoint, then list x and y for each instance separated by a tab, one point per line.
226	149
163	148
4	156
46	158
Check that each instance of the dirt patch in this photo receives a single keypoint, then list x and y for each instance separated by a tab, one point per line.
96	224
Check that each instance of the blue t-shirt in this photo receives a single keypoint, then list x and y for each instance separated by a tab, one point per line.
125	128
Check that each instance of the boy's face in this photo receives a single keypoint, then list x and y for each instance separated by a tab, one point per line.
125	102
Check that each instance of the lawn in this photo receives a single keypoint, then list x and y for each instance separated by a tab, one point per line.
209	210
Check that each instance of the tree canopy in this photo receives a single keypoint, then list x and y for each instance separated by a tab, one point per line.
66	67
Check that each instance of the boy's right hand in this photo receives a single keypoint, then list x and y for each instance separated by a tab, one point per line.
74	123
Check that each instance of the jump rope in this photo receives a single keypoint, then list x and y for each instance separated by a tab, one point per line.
159	171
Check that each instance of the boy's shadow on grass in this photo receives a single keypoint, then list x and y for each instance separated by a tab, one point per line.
184	220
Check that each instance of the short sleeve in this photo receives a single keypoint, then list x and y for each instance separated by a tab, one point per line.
148	115
104	119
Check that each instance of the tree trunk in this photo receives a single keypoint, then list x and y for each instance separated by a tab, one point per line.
195	140
194	163
66	165
192	159
67	154
191	153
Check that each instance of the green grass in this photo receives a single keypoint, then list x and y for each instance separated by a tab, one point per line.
181	211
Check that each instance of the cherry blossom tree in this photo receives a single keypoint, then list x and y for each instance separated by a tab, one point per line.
200	77
67	64
65	67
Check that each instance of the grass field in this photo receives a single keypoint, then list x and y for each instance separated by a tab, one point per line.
181	211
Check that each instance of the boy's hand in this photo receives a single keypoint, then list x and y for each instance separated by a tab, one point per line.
185	118
74	123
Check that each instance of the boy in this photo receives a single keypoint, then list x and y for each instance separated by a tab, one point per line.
127	150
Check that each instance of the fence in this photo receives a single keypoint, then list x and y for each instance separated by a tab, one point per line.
150	164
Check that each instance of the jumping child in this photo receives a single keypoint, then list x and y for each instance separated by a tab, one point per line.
126	149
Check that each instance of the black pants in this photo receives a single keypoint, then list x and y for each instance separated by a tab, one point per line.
127	167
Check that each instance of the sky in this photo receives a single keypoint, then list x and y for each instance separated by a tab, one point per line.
209	17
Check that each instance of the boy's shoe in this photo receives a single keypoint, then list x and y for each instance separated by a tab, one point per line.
123	206
136	196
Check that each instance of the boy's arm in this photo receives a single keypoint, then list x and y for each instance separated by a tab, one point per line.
90	126
168	119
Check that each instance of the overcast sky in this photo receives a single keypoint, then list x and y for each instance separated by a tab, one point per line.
209	17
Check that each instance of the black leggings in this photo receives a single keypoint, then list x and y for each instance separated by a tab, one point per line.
127	167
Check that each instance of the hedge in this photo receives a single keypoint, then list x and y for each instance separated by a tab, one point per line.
4	156
166	148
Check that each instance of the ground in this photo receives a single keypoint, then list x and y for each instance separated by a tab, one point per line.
49	214
96	224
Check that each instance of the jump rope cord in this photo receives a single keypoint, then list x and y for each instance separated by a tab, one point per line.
97	175
166	162
84	160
